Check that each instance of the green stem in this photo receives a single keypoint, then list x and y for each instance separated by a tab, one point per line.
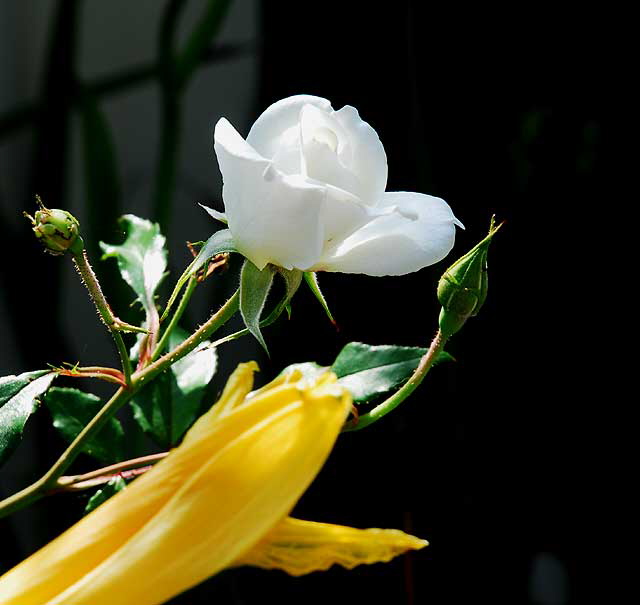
38	489
120	397
407	388
201	334
111	321
50	480
184	301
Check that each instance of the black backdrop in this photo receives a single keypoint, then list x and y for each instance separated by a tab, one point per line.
491	459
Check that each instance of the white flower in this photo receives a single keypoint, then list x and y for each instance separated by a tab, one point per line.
306	190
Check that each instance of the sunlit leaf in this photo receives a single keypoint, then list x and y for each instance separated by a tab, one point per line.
142	258
18	400
367	371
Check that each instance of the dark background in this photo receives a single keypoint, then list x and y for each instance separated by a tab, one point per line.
494	460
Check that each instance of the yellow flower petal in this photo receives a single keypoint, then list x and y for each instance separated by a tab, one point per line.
300	547
239	470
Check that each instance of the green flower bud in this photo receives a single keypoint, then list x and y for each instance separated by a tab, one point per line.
58	230
462	289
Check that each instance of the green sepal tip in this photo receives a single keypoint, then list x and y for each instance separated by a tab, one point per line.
462	289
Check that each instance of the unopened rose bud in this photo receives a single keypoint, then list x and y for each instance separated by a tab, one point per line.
58	230
462	289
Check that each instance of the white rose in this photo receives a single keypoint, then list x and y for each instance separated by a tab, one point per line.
306	190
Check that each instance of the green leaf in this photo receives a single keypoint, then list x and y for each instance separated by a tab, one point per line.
142	259
18	400
221	241
254	288
168	406
104	493
312	281
367	371
72	410
309	369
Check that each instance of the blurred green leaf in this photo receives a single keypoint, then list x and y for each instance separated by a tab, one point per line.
142	258
18	400
254	288
104	493
200	39
72	410
367	371
100	167
169	405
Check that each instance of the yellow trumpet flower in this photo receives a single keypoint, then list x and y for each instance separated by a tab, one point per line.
218	500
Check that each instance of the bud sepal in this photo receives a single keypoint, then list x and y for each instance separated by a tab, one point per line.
462	289
57	229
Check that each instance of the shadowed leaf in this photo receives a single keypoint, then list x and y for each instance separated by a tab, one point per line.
169	405
72	410
104	493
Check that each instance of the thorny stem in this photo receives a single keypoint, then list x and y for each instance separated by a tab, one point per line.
407	388
216	321
49	481
114	324
184	301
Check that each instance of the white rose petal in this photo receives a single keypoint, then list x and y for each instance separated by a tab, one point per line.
274	218
369	160
417	231
267	131
306	190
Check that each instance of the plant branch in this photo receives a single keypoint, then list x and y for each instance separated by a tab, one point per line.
50	480
114	324
105	474
184	301
201	334
392	402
